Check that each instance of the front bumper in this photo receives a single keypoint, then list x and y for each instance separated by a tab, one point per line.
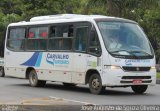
119	77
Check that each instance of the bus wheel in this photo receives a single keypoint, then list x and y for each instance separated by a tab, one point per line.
95	84
69	84
2	71
139	89
33	80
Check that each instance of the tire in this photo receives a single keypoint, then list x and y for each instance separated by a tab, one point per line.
2	71
95	84
33	80
139	89
69	84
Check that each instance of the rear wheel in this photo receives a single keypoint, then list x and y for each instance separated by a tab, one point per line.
139	89
2	71
33	80
95	84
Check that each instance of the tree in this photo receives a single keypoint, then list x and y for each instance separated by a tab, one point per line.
145	12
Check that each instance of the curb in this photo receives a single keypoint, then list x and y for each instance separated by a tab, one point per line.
158	81
45	101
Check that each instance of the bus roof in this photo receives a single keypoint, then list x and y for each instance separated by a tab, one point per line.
60	18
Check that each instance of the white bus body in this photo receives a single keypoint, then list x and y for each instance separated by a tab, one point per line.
94	63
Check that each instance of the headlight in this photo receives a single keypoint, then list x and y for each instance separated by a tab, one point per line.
153	67
111	67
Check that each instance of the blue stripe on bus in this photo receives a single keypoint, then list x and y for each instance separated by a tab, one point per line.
32	61
39	60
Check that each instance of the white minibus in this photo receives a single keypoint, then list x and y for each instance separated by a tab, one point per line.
77	49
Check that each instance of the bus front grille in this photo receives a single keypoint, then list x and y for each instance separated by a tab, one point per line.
129	79
136	68
147	81
136	77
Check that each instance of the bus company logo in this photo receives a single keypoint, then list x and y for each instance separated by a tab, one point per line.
57	59
34	60
128	62
137	68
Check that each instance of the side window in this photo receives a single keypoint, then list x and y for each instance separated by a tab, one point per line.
81	38
16	39
94	44
60	37
37	38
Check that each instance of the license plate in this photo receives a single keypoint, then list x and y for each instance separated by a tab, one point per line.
137	81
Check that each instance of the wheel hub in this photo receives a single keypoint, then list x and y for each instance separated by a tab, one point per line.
95	83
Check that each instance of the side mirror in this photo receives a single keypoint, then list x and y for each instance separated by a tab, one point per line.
95	50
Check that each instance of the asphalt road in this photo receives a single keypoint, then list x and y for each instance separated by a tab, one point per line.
13	90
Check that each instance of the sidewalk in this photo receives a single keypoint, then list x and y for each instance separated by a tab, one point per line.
45	101
43	104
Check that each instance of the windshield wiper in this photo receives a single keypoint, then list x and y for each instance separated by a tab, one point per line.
130	52
120	51
133	52
141	51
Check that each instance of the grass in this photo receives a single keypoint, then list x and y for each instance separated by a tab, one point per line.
158	75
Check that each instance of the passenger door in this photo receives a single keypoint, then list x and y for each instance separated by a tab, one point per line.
80	55
94	59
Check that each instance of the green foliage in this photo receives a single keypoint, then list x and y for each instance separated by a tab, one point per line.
145	12
50	7
158	75
5	20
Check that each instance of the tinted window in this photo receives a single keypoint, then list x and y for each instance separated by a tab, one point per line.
81	38
16	39
37	38
60	37
16	44
38	32
125	39
94	44
17	33
36	44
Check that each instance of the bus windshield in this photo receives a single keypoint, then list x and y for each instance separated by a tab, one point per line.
125	39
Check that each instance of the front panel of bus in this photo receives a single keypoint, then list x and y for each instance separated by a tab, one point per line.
131	57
